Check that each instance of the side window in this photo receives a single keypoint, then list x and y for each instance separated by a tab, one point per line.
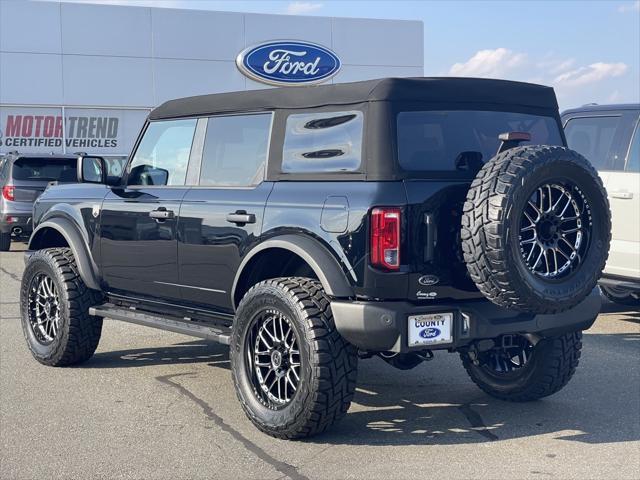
593	138
633	160
235	150
323	142
162	156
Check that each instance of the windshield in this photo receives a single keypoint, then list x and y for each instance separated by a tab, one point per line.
456	140
45	169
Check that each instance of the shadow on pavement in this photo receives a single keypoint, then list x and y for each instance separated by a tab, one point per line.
198	351
436	404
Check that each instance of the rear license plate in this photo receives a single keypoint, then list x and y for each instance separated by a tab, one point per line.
430	329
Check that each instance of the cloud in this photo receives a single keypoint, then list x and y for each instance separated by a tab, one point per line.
300	8
489	63
629	7
555	66
614	97
590	74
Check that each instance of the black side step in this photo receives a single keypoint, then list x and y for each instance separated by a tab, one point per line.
184	326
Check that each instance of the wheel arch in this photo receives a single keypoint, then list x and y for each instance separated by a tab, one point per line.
60	232
308	250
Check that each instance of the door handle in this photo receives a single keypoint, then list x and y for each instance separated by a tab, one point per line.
622	194
241	217
161	214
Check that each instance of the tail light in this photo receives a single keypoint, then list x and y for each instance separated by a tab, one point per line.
385	238
8	192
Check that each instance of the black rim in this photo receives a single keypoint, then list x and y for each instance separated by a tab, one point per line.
509	358
273	358
555	230
44	308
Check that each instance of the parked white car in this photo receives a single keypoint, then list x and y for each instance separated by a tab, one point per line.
609	136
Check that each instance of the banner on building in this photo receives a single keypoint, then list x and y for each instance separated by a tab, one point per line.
44	130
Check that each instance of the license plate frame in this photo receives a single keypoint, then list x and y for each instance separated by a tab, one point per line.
430	329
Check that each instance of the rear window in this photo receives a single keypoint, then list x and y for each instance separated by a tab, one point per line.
45	169
458	140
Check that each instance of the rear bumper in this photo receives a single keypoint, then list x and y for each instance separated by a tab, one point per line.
382	326
16	222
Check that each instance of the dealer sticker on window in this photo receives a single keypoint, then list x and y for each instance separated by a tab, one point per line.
430	329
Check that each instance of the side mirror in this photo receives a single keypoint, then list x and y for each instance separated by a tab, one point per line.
148	175
91	169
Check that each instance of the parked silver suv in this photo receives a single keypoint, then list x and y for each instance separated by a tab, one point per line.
23	177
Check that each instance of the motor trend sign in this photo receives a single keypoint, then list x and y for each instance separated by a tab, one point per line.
28	131
91	130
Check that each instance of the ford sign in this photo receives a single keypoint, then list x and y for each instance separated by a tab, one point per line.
430	332
288	63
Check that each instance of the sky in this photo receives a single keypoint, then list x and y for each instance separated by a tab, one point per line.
589	51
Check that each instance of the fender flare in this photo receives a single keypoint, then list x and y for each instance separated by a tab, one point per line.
86	266
324	265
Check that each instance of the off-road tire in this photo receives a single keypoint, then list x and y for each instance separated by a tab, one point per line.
552	365
490	229
5	242
630	299
79	333
328	362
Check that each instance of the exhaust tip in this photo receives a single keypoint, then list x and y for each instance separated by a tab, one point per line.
16	230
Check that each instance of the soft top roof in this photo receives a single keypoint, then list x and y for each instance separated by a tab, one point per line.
443	90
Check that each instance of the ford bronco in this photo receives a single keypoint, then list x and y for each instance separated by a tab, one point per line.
312	227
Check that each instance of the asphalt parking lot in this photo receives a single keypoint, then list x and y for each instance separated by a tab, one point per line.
153	404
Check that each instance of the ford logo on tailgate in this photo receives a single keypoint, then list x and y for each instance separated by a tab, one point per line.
288	63
430	332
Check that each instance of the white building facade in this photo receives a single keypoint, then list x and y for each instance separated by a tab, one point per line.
80	77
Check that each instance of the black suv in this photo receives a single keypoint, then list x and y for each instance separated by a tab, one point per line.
311	227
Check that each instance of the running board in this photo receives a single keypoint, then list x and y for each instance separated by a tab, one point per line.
216	333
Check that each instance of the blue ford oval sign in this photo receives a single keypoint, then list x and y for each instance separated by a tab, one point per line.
430	332
288	62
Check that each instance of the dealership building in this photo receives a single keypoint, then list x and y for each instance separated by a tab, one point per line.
82	77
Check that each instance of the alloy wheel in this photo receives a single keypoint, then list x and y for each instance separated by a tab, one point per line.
273	358
511	355
44	308
554	230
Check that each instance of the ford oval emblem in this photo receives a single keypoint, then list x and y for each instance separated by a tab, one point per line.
431	332
428	280
288	62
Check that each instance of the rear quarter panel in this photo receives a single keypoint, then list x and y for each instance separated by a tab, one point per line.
297	207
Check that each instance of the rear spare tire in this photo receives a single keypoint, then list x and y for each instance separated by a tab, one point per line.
536	229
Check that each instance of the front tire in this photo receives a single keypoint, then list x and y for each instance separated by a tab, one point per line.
521	372
294	374
54	304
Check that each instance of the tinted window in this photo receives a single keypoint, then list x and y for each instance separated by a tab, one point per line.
463	140
593	137
162	156
323	142
235	150
633	160
45	169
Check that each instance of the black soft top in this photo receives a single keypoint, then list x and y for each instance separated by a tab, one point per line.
442	91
